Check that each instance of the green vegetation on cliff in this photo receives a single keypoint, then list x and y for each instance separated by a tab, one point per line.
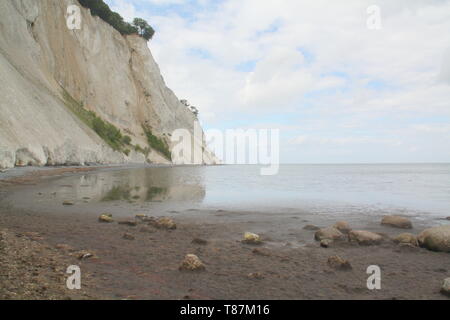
101	9
157	143
107	131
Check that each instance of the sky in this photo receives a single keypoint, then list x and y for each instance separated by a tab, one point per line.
342	83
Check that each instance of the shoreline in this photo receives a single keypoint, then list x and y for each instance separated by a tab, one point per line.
147	267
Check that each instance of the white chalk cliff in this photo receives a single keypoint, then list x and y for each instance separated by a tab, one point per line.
112	75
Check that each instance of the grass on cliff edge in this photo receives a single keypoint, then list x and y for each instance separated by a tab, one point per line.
107	131
157	143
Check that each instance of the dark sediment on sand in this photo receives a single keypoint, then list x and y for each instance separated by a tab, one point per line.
38	246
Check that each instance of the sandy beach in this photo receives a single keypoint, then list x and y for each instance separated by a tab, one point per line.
142	261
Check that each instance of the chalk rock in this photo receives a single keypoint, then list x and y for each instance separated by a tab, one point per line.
251	238
164	223
342	226
407	238
364	237
325	243
106	217
330	233
192	263
446	287
339	263
436	239
397	222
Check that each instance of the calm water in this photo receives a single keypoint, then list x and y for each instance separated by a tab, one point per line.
411	189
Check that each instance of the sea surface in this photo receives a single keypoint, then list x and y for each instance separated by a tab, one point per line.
421	190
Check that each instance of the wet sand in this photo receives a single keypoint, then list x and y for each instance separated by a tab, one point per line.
289	263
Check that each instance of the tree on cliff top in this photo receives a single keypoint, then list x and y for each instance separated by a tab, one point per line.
101	9
144	29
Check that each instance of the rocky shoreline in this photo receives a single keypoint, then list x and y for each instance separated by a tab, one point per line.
163	257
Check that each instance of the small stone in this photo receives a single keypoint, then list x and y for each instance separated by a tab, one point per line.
64	247
106	218
130	223
330	233
342	226
325	243
199	241
255	275
446	287
141	216
146	229
261	252
128	236
310	227
68	203
396	222
83	255
164	223
407	238
339	263
251	238
192	263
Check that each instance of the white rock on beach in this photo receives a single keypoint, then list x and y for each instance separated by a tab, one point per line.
436	239
106	217
251	238
407	238
339	263
192	263
365	237
343	226
397	222
446	287
330	233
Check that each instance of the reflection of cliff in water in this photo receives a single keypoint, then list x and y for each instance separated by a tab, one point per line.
138	185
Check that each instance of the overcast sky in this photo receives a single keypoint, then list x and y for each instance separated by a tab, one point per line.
338	91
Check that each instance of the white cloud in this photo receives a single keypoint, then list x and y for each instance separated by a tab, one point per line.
308	59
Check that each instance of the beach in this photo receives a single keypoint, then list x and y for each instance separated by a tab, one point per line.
141	261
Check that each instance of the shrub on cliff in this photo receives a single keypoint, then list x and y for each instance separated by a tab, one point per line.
144	29
102	10
157	143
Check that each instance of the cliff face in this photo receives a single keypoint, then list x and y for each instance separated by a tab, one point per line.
42	63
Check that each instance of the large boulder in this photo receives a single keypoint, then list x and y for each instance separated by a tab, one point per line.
397	222
330	233
436	239
342	226
407	238
446	287
364	237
